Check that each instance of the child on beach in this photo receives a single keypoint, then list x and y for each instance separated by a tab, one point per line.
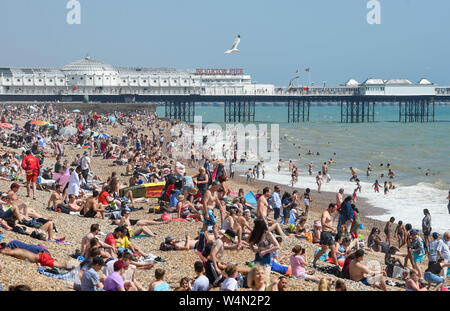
317	230
299	265
249	175
307	199
376	186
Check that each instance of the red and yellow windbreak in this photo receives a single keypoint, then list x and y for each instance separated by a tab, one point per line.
153	190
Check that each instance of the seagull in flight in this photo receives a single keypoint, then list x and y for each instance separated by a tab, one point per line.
235	45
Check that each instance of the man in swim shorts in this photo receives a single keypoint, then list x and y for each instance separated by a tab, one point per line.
210	201
360	273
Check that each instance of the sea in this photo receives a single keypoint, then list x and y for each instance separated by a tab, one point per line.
411	149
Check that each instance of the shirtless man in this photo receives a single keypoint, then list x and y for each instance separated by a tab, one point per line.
185	245
359	272
75	205
95	230
210	201
214	266
21	207
339	197
262	208
56	200
262	205
92	208
326	236
354	174
310	168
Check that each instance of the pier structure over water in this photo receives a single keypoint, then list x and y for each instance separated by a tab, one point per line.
179	91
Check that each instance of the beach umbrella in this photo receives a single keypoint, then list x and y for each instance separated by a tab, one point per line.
68	131
112	118
76	110
103	135
96	116
38	122
6	125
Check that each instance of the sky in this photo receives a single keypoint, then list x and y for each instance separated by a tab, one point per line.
331	37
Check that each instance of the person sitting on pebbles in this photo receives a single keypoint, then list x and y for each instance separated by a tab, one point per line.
20	206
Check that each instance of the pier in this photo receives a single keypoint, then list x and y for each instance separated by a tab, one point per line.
179	91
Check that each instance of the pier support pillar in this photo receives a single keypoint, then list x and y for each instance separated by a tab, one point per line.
180	110
298	110
357	111
239	111
416	110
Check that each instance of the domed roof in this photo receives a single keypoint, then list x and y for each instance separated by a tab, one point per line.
352	82
374	81
89	66
425	81
398	81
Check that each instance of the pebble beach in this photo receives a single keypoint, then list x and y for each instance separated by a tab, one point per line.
178	264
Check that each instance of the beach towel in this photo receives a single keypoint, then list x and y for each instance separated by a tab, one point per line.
140	236
63	179
250	198
61	275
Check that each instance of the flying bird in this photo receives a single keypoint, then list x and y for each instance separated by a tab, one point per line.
235	45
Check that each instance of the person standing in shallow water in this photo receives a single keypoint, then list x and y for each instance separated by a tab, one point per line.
448	205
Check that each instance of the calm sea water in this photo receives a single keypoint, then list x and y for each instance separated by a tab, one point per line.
410	148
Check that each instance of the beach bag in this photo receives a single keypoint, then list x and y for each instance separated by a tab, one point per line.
400	273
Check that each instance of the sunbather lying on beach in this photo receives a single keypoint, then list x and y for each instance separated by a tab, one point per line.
42	258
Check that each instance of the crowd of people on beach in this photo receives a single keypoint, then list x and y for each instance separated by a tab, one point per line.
194	189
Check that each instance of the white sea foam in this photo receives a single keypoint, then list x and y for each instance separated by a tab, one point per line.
405	203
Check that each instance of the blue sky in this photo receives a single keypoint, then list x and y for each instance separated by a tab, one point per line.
332	37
